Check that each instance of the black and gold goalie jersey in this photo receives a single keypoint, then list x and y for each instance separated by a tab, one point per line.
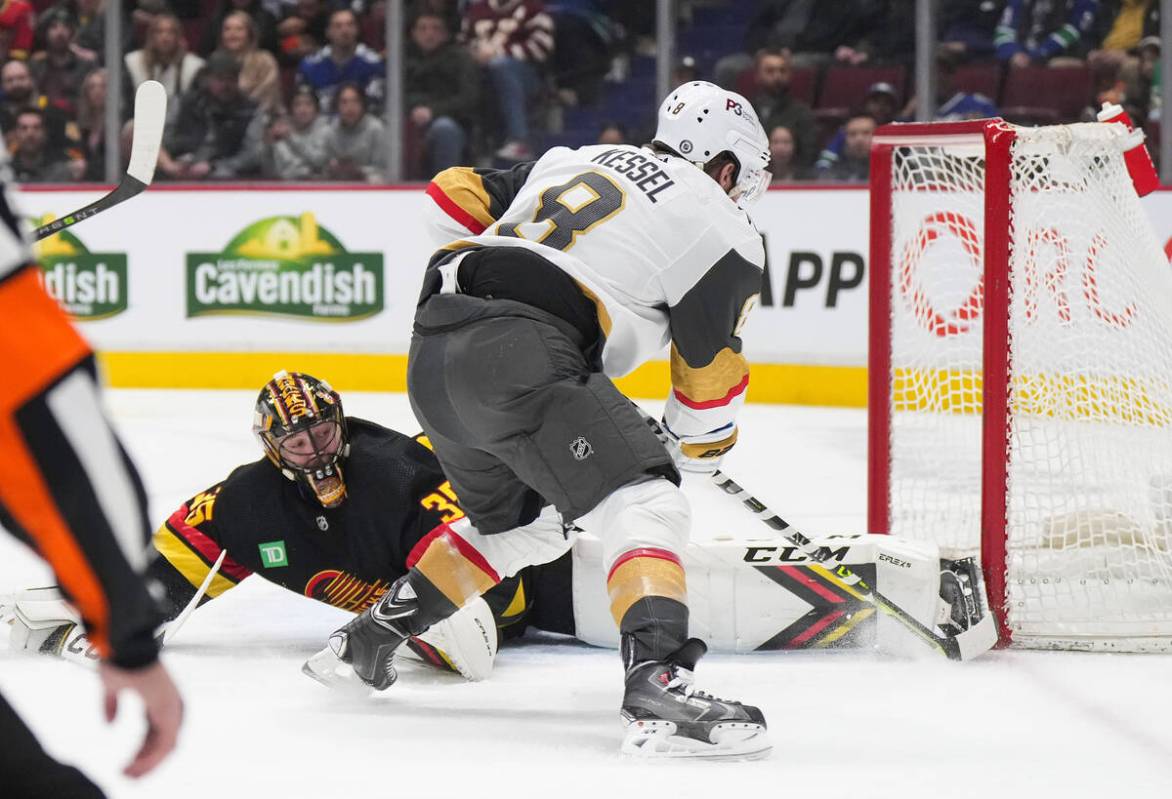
344	556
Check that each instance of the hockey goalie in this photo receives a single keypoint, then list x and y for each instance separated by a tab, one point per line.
358	502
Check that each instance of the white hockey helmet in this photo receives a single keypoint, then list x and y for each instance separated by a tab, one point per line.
699	121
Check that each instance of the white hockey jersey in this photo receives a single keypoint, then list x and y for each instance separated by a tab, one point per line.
653	241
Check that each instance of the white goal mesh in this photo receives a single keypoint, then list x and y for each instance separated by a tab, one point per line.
1067	493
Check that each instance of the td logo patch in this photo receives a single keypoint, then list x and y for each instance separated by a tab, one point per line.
272	554
581	449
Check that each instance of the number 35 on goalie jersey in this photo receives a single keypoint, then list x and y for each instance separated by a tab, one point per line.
655	244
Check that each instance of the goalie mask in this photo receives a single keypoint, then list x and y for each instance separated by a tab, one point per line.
300	424
699	121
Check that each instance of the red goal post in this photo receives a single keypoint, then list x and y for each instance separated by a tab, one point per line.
1018	303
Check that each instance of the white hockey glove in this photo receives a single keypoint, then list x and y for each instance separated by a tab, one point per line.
699	454
696	454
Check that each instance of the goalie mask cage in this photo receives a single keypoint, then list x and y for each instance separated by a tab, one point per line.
1020	370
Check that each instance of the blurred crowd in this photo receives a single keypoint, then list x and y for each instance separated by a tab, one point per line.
294	89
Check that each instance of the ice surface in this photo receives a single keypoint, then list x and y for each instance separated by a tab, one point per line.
1013	724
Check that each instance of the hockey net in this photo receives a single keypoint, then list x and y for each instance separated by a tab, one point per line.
1021	374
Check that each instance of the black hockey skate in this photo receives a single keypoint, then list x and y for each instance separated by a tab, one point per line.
666	717
367	644
960	584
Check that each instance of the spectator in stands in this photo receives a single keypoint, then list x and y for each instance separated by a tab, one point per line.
91	28
295	146
356	147
1143	94
302	31
952	105
343	60
442	91
585	37
966	29
511	39
613	133
260	78
1115	66
60	68
91	123
164	58
855	163
16	29
815	32
775	106
881	103
263	22
956	105
20	92
448	9
217	132
891	40
783	151
33	160
1053	32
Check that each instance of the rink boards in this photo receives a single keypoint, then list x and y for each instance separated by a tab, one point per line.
206	287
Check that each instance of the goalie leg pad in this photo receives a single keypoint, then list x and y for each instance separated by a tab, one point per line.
735	606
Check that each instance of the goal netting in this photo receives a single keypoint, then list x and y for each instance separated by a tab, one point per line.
1021	374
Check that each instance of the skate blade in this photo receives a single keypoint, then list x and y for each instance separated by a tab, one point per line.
326	668
732	741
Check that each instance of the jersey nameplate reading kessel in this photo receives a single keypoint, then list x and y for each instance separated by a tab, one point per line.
646	173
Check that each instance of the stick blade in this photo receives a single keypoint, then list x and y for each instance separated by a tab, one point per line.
978	639
150	115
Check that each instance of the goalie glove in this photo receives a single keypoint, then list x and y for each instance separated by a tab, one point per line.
40	620
466	641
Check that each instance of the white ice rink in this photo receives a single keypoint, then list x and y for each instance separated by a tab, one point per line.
1013	724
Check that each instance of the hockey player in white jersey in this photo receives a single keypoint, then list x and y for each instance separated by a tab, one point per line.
559	276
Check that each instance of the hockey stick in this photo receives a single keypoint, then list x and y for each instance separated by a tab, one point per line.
150	113
173	628
979	638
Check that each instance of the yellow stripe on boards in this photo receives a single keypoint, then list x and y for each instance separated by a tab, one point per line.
795	384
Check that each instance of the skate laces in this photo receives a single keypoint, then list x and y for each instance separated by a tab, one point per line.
685	681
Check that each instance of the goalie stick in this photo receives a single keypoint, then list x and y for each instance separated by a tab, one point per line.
979	638
170	630
150	113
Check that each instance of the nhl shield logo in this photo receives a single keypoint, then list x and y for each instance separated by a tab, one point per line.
581	448
322	524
